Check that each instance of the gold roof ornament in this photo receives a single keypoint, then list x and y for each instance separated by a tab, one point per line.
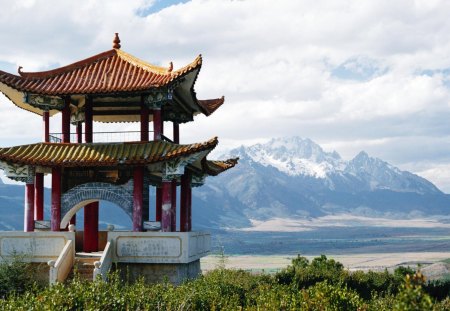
116	41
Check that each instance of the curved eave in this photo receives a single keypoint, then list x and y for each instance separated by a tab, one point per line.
211	105
16	97
101	154
215	167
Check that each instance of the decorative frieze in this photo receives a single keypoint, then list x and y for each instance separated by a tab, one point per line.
175	168
18	172
42	102
198	180
157	98
77	115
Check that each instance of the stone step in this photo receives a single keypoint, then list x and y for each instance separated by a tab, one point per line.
84	266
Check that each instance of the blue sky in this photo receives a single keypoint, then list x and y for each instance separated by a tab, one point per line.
157	5
351	75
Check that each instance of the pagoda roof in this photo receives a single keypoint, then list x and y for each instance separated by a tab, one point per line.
100	154
105	73
111	154
113	75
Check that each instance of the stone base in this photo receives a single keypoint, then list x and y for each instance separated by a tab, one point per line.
158	272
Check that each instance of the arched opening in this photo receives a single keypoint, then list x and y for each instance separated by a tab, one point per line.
76	198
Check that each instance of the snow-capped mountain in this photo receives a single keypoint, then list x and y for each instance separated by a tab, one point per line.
295	178
295	156
290	179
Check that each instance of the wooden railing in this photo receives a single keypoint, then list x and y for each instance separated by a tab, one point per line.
103	266
60	269
104	137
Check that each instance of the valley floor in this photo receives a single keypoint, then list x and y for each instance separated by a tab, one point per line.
434	262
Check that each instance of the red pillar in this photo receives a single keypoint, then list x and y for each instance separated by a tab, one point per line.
176	140
176	133
56	199
166	217
46	119
144	120
39	178
158	204
138	202
79	132
157	124
90	241
189	207
173	210
184	225
88	120
66	121
39	197
28	225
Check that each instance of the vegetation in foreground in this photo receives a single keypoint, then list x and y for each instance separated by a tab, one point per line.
322	284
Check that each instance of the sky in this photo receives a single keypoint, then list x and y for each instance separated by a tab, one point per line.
351	75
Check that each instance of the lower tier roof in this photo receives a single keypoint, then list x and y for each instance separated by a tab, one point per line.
111	154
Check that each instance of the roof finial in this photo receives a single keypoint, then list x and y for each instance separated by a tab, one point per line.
19	70
116	42
170	67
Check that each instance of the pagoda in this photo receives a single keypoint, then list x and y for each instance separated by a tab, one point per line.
121	167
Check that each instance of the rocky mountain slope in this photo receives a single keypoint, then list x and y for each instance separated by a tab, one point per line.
286	178
295	177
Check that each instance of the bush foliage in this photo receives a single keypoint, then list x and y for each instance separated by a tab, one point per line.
322	284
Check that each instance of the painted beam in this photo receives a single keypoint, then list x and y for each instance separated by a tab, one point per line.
115	104
116	112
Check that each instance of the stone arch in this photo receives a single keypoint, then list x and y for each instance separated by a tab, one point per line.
77	197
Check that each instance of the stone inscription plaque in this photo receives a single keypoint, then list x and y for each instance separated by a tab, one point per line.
42	247
137	247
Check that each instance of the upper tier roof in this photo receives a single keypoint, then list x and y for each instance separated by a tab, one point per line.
106	73
112	76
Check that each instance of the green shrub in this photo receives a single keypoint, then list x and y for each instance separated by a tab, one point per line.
15	276
411	296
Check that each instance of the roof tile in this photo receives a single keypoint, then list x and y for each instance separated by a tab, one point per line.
100	154
108	72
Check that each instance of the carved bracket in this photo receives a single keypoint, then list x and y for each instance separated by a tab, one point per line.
43	102
175	168
77	115
198	180
157	98
179	117
17	172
